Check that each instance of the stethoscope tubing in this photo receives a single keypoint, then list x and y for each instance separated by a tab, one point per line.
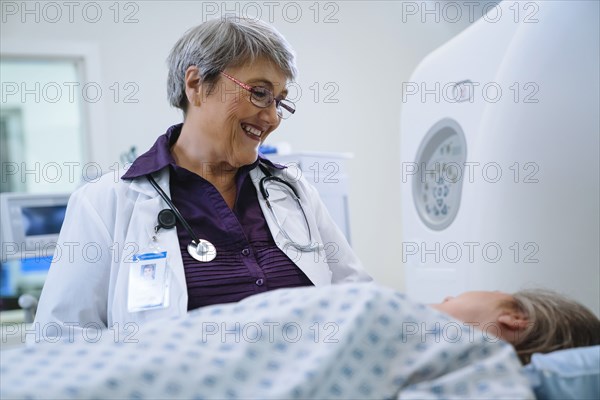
164	196
262	186
269	177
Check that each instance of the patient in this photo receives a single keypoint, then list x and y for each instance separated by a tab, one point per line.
343	341
533	321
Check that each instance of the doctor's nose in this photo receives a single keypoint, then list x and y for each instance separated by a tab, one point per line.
270	115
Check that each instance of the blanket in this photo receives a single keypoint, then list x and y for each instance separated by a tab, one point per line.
335	342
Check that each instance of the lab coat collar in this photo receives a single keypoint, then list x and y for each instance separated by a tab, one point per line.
142	185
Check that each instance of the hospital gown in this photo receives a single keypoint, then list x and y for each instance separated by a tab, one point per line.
336	342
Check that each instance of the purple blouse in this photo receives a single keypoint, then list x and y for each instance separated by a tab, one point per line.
247	261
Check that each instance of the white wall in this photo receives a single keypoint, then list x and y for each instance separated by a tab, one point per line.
366	54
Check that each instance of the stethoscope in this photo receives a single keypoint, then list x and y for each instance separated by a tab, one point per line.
200	249
204	251
270	179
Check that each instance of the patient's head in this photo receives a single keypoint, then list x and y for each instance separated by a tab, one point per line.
533	321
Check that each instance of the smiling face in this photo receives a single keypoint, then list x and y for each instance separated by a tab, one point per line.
229	126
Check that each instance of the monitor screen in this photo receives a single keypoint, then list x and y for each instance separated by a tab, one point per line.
43	220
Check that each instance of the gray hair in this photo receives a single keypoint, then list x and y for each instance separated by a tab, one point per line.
221	43
555	322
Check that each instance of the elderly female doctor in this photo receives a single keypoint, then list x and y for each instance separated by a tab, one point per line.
238	228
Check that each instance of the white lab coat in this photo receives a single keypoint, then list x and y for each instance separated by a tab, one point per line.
107	222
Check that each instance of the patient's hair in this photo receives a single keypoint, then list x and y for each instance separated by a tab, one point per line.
555	322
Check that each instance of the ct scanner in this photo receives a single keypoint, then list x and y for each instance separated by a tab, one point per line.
500	158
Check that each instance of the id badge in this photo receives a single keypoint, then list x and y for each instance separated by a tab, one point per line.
148	282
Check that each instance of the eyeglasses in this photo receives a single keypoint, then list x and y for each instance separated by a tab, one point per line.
262	97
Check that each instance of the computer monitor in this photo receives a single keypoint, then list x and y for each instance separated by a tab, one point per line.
30	224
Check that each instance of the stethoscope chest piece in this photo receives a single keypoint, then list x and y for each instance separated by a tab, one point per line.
203	251
200	249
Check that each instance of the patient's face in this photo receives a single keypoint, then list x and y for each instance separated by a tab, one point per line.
475	307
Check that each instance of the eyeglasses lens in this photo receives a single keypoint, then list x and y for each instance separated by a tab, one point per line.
263	98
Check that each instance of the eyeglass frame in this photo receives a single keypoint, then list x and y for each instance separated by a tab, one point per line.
278	102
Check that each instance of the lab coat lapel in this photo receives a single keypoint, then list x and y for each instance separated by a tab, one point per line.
292	222
144	219
141	184
275	197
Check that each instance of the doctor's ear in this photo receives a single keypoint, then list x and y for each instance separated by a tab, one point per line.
193	86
